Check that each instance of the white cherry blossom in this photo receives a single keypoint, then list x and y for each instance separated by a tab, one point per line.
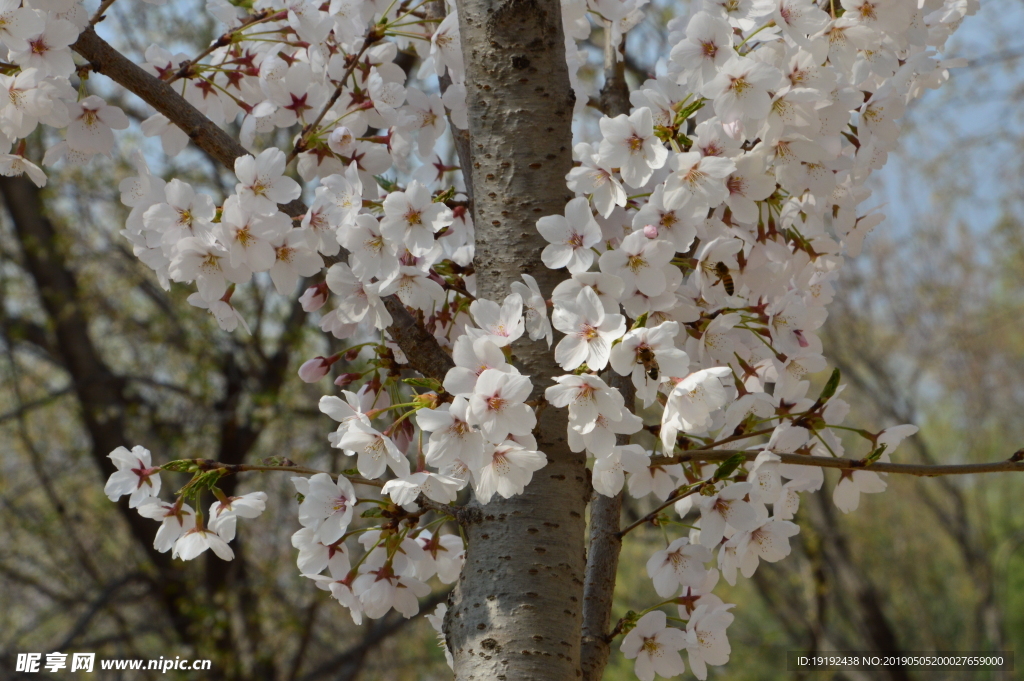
327	507
681	564
175	520
261	182
496	405
135	476
570	238
507	470
197	540
629	144
412	218
589	332
655	646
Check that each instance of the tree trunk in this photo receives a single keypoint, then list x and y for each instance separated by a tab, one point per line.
517	611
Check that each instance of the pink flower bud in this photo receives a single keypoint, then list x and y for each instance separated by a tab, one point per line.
313	370
651	231
314	297
346	379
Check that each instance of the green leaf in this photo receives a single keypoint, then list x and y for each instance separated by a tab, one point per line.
385	184
830	388
428	383
180	466
729	466
875	455
446	195
690	109
372	512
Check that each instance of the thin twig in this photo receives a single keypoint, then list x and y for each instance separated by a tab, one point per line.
100	12
300	144
653	514
233	468
225	39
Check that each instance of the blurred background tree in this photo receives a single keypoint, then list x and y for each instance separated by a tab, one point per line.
96	355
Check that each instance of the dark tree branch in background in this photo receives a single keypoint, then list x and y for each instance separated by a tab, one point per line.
880	631
99	391
98	604
346	665
867	372
26	407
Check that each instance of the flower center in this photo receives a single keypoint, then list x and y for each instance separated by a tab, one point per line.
636	263
211	263
740	85
736	185
284	253
651	646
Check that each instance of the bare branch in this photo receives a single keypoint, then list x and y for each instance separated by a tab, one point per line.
207	136
233	468
654	514
1014	464
614	93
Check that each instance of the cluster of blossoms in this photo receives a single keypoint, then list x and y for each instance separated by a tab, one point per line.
182	529
716	215
708	226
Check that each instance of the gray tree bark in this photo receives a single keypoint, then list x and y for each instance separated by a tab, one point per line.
516	613
605	512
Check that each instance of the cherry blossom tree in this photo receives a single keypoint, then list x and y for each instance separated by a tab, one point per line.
457	218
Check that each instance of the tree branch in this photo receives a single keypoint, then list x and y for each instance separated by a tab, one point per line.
424	352
209	137
1014	464
233	468
605	512
654	514
614	97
